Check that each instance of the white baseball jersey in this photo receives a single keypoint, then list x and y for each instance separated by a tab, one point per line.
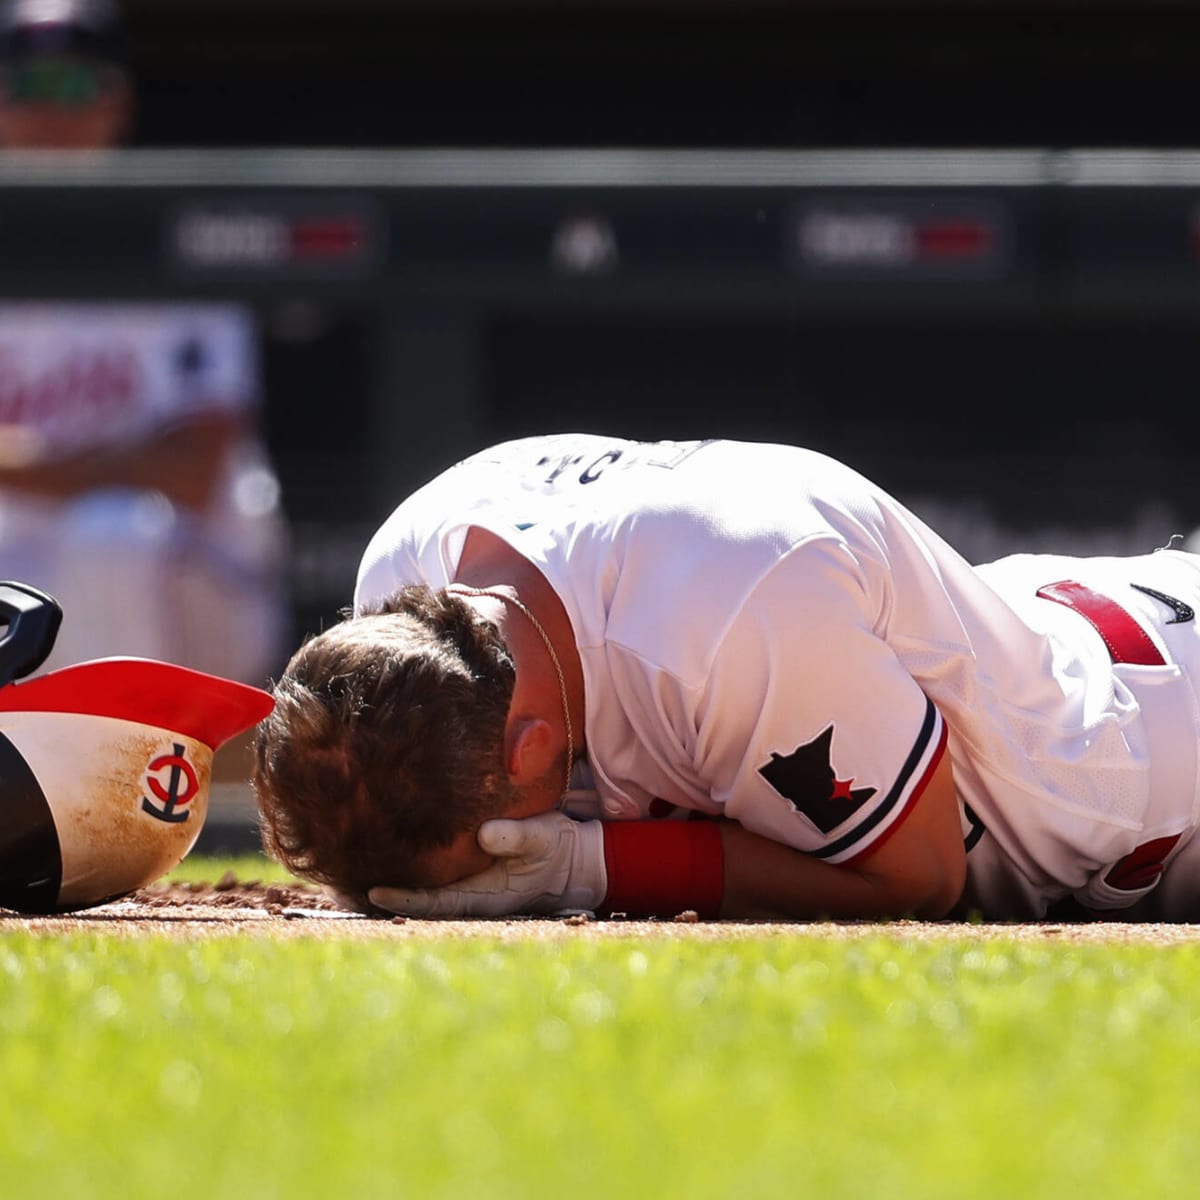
767	636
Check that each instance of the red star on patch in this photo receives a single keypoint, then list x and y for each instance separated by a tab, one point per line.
841	790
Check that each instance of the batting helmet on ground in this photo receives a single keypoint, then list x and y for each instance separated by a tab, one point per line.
105	766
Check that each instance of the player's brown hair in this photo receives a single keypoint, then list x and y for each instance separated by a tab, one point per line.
386	742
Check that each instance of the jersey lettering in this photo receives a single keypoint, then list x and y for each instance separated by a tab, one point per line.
661	455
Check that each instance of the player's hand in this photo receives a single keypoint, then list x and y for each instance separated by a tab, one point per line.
545	864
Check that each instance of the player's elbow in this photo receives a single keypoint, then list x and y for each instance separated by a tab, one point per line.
919	879
941	900
926	862
940	885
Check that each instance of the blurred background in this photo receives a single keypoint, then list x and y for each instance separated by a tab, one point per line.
955	244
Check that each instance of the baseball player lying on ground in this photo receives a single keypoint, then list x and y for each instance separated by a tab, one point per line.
564	642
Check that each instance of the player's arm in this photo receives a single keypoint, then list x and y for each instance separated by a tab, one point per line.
721	868
551	863
918	871
184	463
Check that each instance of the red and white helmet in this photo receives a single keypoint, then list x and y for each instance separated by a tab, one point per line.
105	766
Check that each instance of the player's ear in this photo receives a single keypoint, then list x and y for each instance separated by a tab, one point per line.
528	748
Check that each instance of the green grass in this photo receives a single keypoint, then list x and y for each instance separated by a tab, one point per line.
788	1066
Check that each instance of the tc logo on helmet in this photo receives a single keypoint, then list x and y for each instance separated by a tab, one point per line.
180	789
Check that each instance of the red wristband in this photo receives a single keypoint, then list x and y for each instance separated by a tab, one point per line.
662	868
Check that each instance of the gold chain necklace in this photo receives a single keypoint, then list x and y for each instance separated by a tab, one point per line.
562	679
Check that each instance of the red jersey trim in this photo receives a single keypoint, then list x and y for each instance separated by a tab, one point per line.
1126	640
913	796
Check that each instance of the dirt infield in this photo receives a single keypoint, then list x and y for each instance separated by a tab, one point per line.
230	908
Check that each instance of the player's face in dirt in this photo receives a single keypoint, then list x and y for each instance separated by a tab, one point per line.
63	104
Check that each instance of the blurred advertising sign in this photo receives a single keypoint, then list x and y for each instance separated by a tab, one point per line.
933	237
318	237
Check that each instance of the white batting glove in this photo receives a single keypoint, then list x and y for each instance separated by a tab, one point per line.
544	865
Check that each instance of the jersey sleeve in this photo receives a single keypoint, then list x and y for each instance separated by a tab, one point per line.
385	567
411	546
811	731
